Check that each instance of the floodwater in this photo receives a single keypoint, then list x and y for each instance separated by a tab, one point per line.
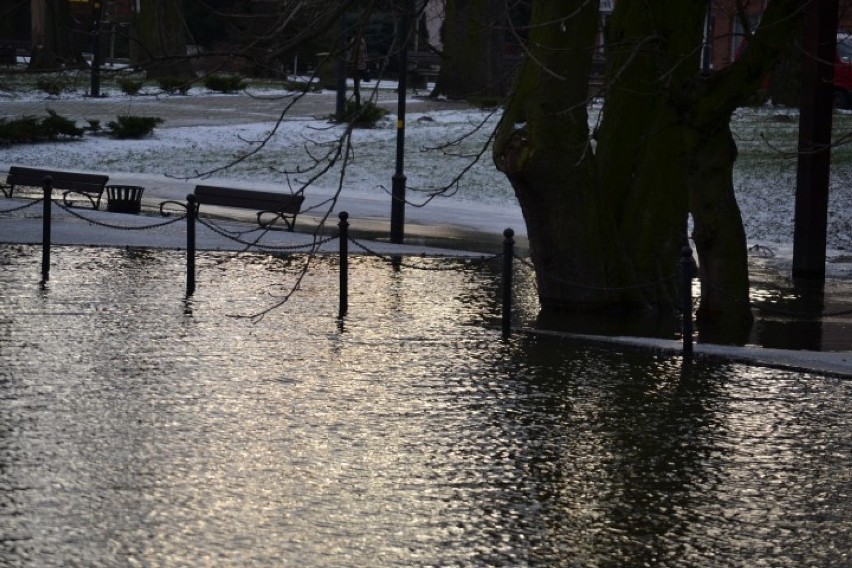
139	429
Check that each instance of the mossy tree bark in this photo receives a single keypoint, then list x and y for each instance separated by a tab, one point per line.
607	209
473	36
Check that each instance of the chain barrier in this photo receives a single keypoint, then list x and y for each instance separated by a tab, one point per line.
222	233
118	227
22	207
561	280
235	236
395	259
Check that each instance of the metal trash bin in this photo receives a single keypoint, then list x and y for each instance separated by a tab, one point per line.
124	198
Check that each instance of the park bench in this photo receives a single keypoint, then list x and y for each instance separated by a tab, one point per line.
10	49
270	206
423	66
90	186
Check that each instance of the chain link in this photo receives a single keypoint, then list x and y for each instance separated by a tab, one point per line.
230	235
310	246
395	259
118	227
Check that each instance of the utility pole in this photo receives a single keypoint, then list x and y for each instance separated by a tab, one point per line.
397	223
814	162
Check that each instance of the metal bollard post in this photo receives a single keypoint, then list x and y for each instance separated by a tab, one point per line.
686	295
343	236
508	260
47	186
191	211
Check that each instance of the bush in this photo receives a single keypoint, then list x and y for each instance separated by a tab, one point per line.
174	85
366	115
129	86
55	125
20	130
133	126
224	83
31	129
302	86
53	87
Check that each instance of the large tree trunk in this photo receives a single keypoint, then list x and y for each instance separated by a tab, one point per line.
544	148
607	219
724	315
473	40
159	43
51	27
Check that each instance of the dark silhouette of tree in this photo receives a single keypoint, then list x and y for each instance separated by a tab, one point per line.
51	27
473	63
608	206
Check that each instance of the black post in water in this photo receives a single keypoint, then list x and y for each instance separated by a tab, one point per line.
47	185
97	16
191	211
344	263
686	295
508	262
397	223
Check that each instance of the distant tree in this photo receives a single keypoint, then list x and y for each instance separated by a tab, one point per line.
13	14
160	40
474	40
52	47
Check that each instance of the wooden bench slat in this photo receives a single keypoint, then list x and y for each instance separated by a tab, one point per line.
248	199
284	206
89	185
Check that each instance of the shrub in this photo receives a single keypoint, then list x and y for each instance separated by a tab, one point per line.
302	86
55	125
133	126
53	87
174	85
129	86
366	115
224	83
31	129
20	130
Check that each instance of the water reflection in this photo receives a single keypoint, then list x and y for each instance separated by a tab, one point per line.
406	434
789	312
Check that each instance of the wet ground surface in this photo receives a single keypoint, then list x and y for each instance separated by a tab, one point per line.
139	428
789	314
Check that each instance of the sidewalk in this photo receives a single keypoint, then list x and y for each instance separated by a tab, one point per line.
86	227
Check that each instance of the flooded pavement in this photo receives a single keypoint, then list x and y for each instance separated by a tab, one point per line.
139	428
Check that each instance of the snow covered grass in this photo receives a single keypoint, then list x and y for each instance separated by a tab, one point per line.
765	176
439	144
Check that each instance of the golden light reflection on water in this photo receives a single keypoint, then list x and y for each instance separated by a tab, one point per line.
407	435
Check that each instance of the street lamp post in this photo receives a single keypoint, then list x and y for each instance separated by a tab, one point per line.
397	225
97	16
340	69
